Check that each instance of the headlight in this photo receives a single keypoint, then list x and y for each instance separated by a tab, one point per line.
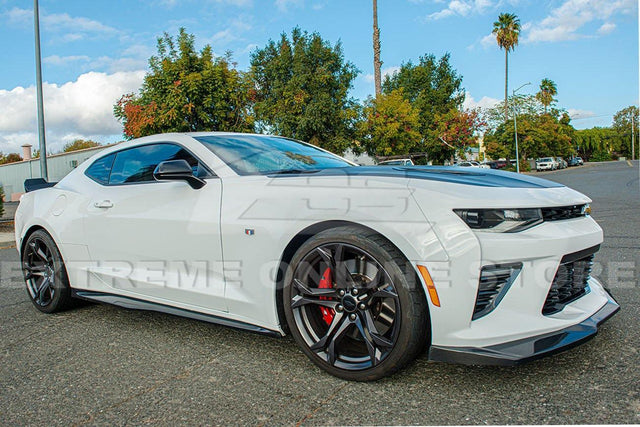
500	220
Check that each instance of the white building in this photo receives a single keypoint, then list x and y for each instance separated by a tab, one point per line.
12	175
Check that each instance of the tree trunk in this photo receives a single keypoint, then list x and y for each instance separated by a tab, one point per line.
506	84
377	64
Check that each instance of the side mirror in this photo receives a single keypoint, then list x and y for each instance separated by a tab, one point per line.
177	170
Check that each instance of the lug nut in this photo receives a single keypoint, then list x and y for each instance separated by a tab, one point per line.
341	292
339	307
362	306
354	291
352	316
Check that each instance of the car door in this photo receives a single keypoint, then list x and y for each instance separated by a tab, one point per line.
159	240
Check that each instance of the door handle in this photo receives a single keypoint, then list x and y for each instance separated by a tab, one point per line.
104	204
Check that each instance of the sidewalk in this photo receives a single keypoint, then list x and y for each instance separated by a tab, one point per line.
7	238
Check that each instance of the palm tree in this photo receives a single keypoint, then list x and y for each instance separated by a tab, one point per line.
506	29
377	64
548	90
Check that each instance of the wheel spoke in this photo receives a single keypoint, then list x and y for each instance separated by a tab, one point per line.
335	339
368	340
321	344
343	275
34	270
46	283
37	250
384	293
370	326
377	281
314	292
299	300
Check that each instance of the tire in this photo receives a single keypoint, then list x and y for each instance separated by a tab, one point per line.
355	305
45	274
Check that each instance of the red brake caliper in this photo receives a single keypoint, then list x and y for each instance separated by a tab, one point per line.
325	283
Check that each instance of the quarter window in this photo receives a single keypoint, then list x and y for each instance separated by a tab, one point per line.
100	169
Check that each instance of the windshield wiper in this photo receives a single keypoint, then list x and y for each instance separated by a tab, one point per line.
291	171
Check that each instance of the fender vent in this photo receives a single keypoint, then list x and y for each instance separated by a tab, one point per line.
495	281
571	280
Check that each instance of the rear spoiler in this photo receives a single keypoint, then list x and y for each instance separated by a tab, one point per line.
33	184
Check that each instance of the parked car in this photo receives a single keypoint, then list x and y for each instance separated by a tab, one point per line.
472	164
562	164
501	164
397	162
575	161
546	163
490	164
366	267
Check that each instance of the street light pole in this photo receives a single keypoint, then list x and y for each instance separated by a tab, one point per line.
515	127
41	133
633	139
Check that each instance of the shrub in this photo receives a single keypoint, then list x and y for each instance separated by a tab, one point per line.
600	156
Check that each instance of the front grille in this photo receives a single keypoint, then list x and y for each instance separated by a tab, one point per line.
570	281
563	212
495	281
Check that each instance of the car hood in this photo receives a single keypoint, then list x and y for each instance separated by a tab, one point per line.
474	177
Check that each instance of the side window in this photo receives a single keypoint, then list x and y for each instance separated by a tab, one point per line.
100	169
137	164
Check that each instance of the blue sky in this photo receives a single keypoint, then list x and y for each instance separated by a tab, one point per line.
94	51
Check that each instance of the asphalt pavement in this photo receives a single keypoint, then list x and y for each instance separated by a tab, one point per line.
103	365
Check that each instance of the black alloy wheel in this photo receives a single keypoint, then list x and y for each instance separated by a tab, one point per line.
44	273
352	308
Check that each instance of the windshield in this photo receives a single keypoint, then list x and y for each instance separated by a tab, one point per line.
546	159
264	154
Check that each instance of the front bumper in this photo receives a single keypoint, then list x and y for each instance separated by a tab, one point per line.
527	349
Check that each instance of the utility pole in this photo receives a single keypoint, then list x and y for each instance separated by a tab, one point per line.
377	64
41	133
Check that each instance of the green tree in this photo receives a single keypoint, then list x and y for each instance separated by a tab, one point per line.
598	143
10	158
301	90
187	91
547	92
622	126
539	135
78	144
390	125
432	86
507	31
456	132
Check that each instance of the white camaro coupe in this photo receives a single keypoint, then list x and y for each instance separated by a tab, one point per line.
365	266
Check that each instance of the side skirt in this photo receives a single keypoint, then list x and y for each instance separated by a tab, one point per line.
138	304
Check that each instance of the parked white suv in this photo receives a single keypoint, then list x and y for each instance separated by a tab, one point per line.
546	164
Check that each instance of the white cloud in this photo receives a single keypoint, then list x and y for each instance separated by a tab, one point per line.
577	114
83	107
462	8
73	27
249	48
565	21
232	33
484	102
64	60
239	3
283	5
389	71
606	28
